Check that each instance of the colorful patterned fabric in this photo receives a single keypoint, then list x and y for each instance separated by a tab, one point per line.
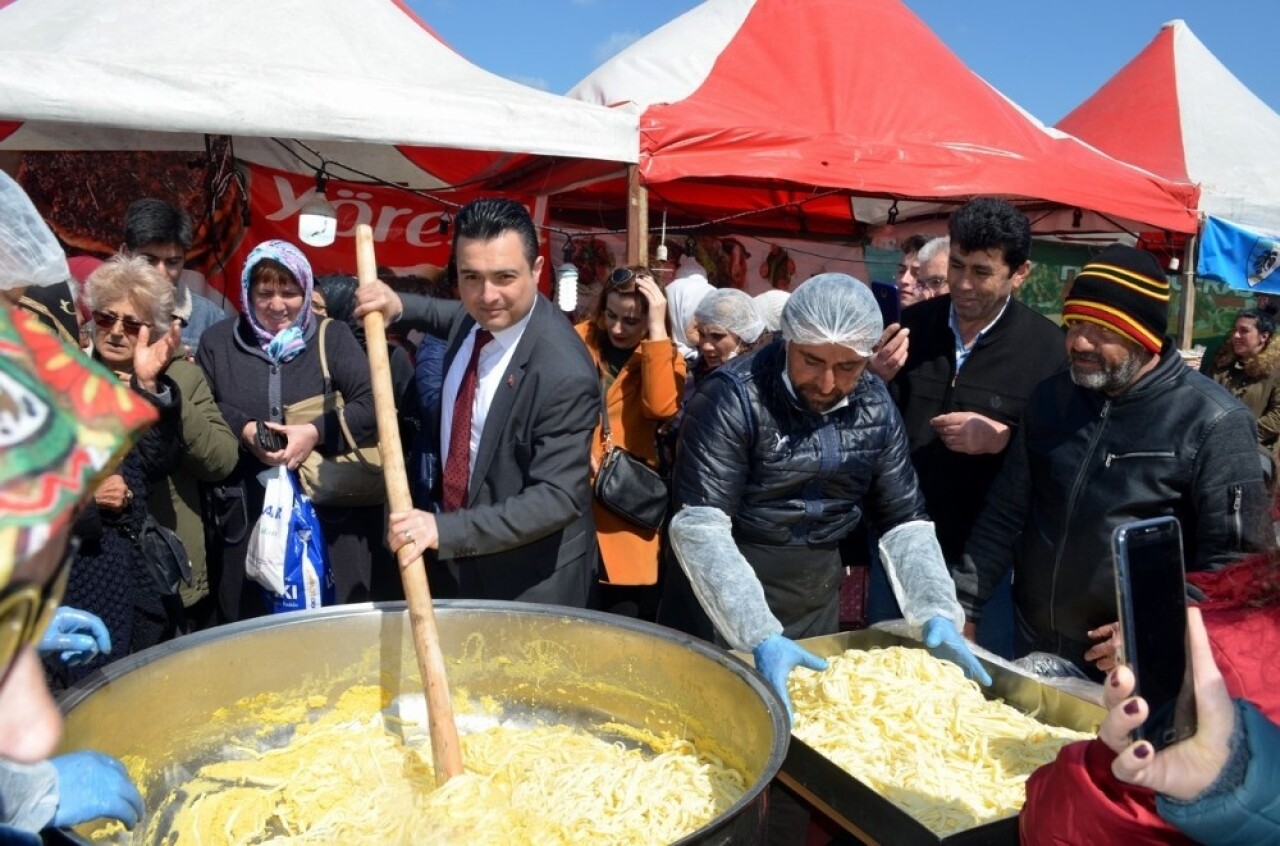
65	421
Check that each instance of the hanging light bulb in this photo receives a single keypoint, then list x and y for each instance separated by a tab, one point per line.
318	220
661	253
567	281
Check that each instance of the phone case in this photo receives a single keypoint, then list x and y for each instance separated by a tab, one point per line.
1176	726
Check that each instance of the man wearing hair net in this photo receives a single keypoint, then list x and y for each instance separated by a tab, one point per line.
781	454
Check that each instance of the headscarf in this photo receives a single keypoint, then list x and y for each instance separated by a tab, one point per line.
65	422
291	341
683	296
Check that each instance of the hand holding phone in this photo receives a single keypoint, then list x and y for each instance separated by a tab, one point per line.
889	298
1151	596
1184	770
269	440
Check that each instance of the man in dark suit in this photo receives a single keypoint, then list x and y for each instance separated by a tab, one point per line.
520	401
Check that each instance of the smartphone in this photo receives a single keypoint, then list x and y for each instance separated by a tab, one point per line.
269	439
889	298
1151	594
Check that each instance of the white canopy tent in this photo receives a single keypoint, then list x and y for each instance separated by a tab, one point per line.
364	83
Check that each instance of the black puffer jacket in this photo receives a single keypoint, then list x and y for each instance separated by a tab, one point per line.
1082	463
786	475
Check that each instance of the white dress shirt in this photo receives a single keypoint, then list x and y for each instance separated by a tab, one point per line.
491	369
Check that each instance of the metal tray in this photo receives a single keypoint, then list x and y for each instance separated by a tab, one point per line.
873	818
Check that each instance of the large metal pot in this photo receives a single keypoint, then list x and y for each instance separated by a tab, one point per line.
588	669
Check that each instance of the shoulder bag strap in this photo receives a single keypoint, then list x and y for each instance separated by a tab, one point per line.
324	357
328	389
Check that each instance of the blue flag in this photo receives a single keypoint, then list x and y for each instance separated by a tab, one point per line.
1241	258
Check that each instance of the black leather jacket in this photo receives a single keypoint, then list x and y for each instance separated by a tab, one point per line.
786	475
1083	463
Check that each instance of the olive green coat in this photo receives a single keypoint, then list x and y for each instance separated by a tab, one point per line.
212	450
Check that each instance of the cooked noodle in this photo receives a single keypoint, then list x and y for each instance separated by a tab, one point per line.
346	779
918	732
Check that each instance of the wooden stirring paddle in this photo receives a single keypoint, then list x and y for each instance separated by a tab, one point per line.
446	754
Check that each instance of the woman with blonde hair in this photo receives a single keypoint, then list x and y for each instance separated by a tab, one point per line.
133	334
642	376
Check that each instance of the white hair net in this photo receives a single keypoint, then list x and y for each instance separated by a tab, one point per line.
833	308
29	253
770	304
733	311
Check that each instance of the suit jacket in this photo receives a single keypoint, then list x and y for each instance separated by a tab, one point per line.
526	531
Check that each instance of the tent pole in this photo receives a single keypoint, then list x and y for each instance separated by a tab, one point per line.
637	218
1187	312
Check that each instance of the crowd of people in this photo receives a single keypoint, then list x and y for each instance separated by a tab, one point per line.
984	453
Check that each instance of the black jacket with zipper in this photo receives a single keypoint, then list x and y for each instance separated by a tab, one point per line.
1081	464
1006	363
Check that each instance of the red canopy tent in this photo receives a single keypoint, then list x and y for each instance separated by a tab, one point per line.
1176	110
813	112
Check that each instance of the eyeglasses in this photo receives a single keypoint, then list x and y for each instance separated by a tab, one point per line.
27	608
933	283
108	320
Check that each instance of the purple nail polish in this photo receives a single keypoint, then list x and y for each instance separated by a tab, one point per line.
1142	751
1131	707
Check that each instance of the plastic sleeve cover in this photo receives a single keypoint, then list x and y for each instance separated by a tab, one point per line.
918	574
726	586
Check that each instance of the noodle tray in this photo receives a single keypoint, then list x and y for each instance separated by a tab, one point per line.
865	812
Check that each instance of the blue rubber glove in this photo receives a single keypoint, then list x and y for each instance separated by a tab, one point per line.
91	786
776	657
942	639
77	635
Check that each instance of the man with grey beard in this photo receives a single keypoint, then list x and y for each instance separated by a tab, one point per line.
1129	432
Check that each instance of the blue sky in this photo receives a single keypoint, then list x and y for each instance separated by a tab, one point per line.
1047	56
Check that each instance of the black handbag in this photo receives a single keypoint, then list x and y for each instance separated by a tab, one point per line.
165	556
629	487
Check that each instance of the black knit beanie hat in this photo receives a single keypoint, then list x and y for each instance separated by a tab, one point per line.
1125	290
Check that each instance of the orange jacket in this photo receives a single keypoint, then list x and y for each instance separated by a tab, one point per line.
646	392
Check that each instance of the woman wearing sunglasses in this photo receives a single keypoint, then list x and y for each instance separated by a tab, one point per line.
121	294
642	376
133	333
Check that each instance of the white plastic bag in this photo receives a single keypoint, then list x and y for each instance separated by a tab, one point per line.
269	544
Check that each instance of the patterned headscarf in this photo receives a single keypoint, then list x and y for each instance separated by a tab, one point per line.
290	342
65	422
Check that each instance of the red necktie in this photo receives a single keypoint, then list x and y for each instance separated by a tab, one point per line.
457	464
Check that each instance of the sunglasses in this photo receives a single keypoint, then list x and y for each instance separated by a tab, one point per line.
27	608
108	320
624	276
